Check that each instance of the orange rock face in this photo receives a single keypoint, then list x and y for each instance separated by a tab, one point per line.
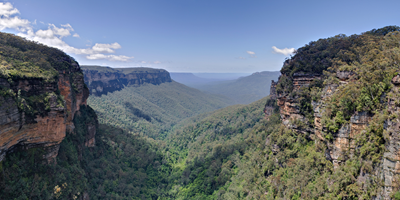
17	127
343	140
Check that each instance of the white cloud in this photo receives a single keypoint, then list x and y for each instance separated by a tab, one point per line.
7	9
250	52
157	62
14	23
105	48
285	51
67	26
62	32
76	35
109	57
6	21
53	36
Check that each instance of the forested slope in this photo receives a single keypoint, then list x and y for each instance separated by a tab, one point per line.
328	130
120	166
153	109
205	151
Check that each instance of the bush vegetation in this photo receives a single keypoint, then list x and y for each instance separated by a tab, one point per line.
230	153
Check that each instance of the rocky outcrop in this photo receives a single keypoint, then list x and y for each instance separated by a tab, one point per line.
301	79
289	105
391	158
102	80
342	145
39	113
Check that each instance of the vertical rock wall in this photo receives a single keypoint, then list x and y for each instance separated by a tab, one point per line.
43	124
342	144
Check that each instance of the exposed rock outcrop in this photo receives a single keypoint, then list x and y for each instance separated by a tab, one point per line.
102	80
289	105
301	79
391	158
342	145
39	113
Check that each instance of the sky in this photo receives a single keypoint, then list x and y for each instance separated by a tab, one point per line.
215	36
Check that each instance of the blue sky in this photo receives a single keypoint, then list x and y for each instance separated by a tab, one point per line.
190	35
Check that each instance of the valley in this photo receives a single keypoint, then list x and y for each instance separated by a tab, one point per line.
325	127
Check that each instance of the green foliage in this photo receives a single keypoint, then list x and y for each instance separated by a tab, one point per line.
383	31
125	166
317	55
120	166
152	109
205	150
21	58
396	196
231	153
285	85
121	70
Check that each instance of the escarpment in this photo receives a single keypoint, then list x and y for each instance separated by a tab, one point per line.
103	80
343	94
42	89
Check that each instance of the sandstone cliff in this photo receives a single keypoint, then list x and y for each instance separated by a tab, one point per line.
348	105
102	80
343	142
41	90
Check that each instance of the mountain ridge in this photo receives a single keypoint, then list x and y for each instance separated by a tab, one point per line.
104	80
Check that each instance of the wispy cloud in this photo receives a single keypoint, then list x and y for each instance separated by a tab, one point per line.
105	48
76	35
53	36
108	57
252	54
285	51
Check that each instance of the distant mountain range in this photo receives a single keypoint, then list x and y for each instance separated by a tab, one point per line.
198	79
241	89
191	80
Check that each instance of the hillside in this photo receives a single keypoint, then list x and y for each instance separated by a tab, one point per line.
244	90
42	101
205	151
153	109
336	98
328	130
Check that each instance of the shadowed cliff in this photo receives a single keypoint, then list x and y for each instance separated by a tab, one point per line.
104	80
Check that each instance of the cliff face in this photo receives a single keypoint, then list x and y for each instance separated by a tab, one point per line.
48	129
350	108
38	109
343	142
391	159
102	80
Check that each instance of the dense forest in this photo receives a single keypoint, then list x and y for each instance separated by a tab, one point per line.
153	110
169	141
120	166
